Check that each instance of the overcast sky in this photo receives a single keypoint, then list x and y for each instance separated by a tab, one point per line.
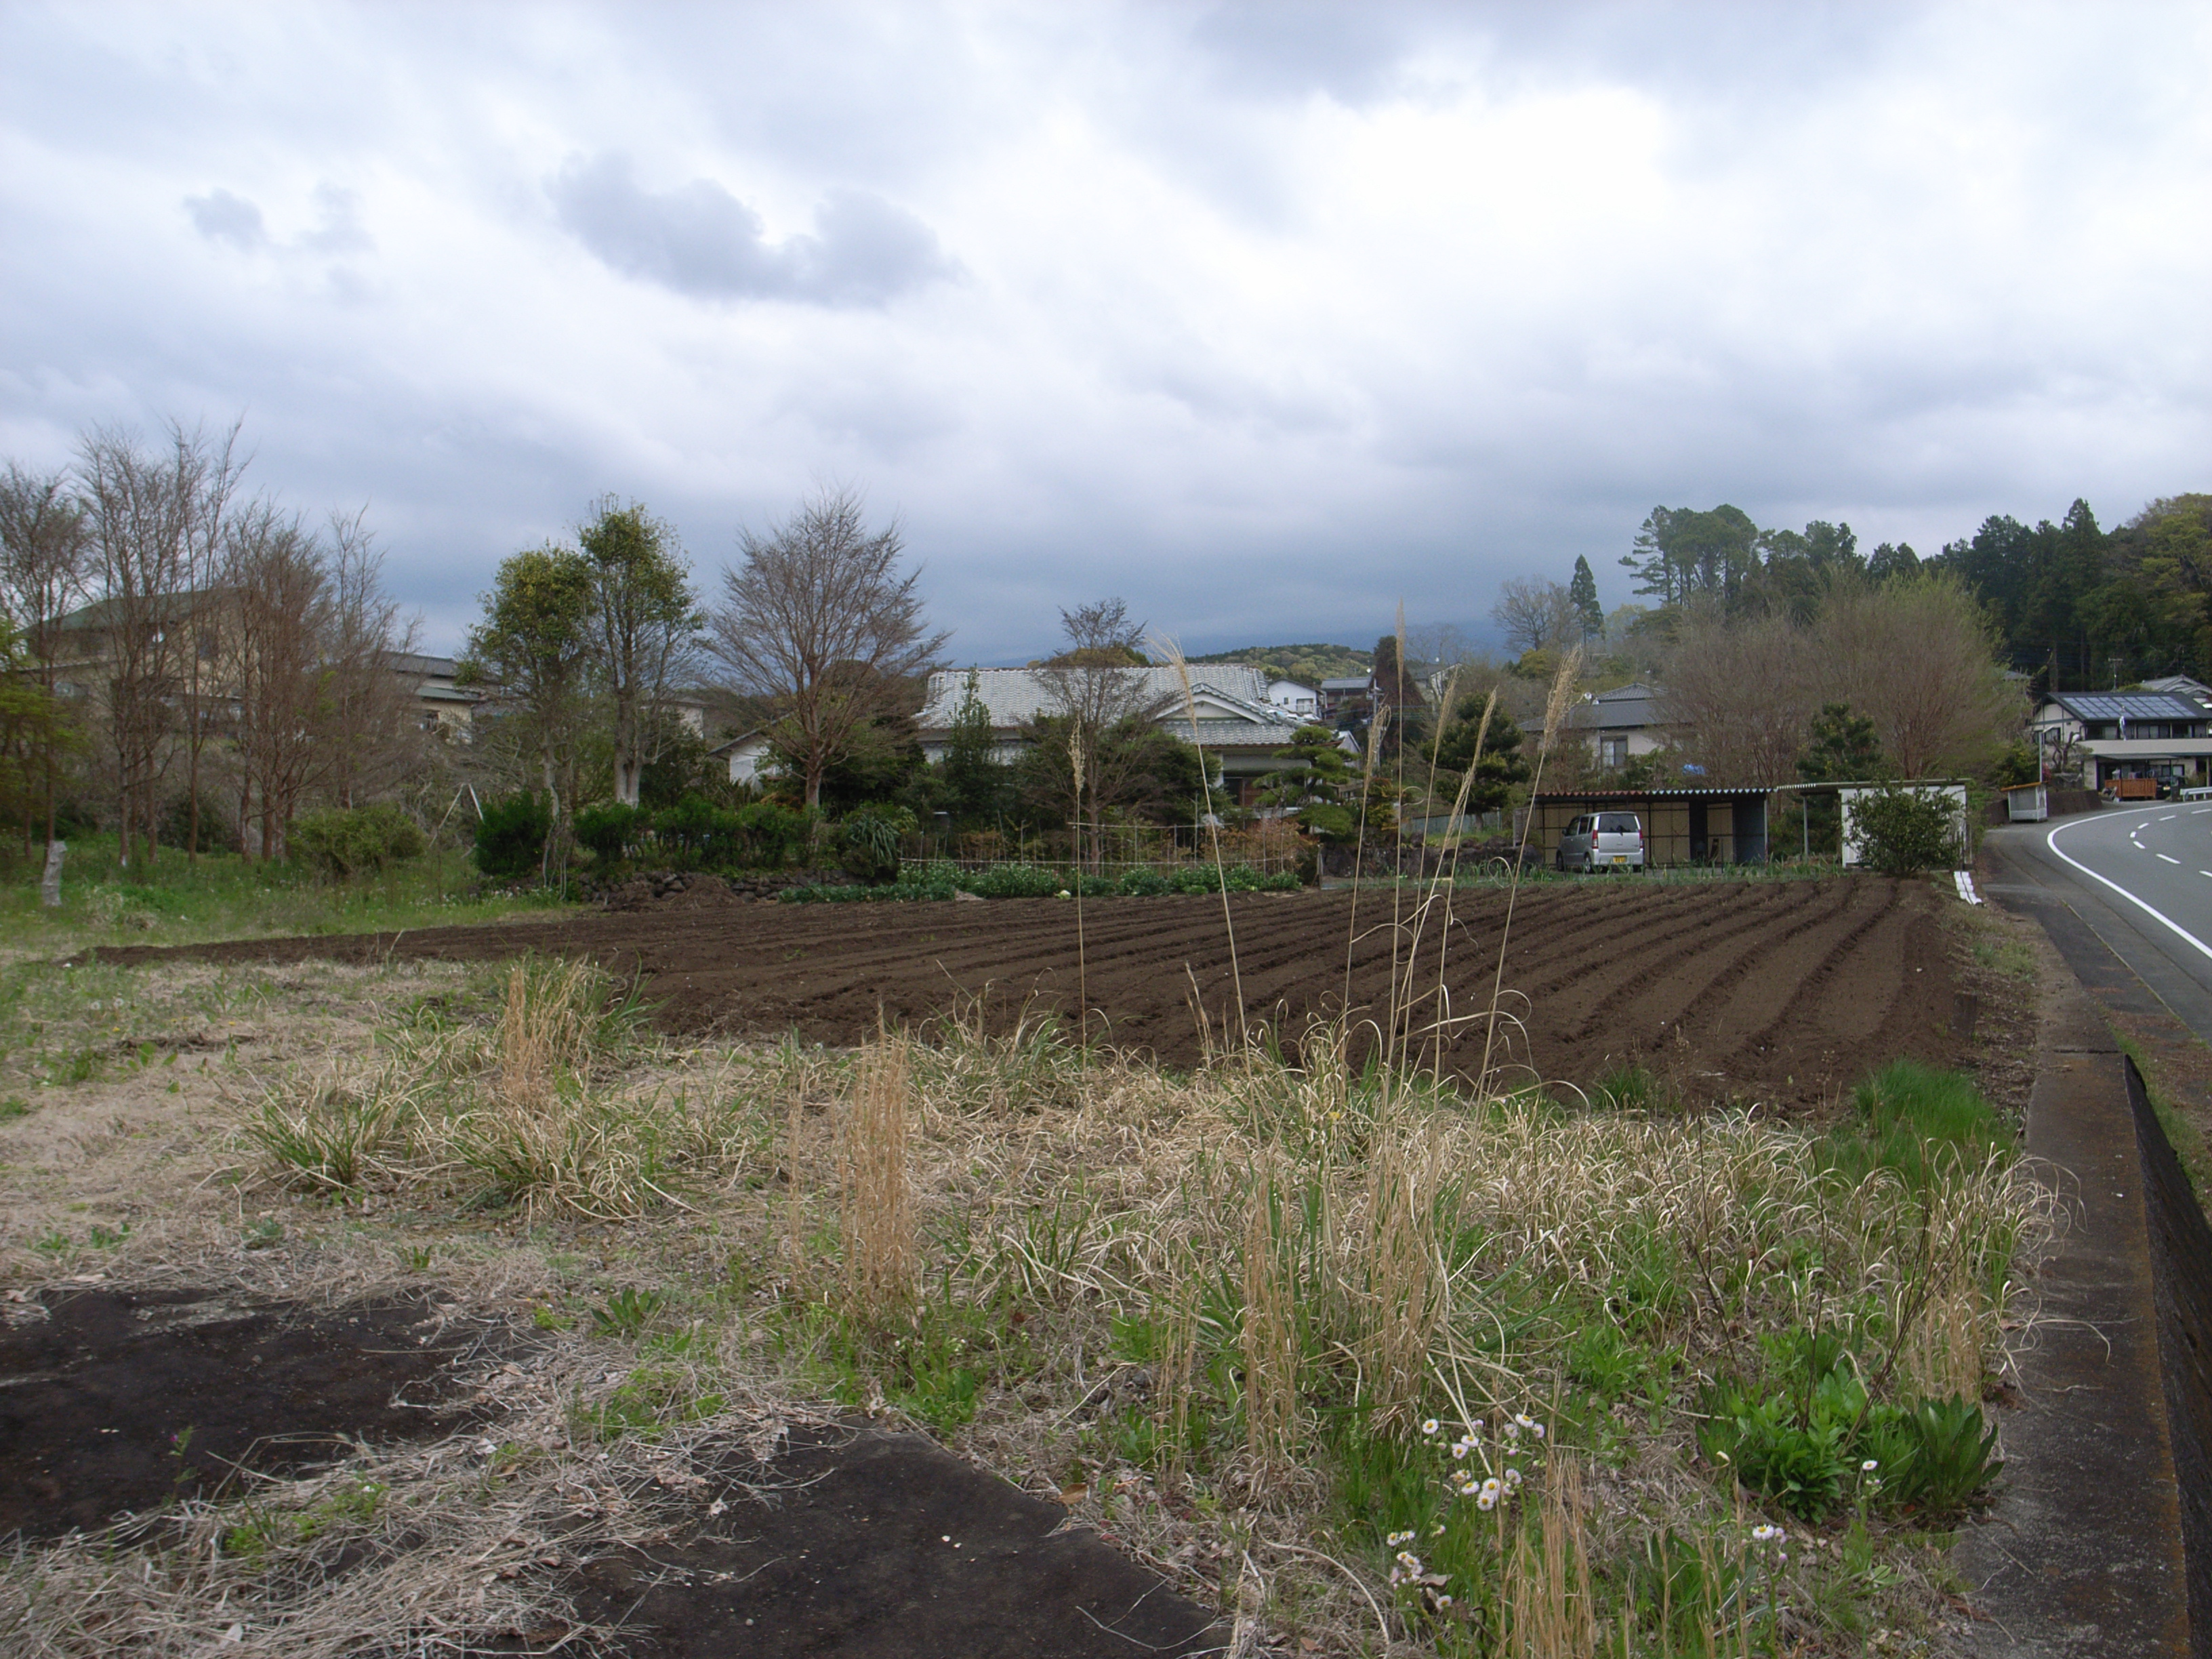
1262	316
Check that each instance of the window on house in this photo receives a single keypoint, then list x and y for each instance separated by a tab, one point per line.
1612	752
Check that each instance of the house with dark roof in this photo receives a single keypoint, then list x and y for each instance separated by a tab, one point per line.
1621	724
2099	736
1237	722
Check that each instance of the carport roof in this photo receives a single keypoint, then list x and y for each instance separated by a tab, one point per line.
1716	791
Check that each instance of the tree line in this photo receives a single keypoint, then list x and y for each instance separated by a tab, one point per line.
184	660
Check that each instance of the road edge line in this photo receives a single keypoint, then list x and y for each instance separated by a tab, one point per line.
2156	915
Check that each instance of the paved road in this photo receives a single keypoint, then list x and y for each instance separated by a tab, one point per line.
2140	880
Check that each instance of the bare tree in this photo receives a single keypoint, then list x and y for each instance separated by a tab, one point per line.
275	572
364	708
1095	685
817	621
215	475
1537	614
141	513
1916	657
648	623
1744	694
44	548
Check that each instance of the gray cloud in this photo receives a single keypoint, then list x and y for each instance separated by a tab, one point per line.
221	217
341	230
700	240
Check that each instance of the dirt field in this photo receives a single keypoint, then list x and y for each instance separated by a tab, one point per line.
1785	992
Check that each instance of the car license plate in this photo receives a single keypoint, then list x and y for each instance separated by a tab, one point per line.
1620	858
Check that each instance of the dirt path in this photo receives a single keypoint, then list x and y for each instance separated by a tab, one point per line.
1785	992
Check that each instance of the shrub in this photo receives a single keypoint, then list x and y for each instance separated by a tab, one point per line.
1903	832
217	830
869	841
768	835
342	843
610	829
511	835
695	831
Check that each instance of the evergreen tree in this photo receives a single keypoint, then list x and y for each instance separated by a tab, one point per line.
976	784
1583	590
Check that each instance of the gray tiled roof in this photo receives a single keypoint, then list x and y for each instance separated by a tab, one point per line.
1017	695
1626	707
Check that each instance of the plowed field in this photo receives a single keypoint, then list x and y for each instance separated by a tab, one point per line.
1785	992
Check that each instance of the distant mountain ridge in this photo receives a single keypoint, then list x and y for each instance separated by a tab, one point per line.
1308	664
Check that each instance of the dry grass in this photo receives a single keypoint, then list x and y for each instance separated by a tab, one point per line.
880	1253
1276	1250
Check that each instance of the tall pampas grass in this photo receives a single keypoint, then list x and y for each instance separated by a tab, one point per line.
1167	648
1555	716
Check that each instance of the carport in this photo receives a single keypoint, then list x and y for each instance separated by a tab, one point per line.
1680	826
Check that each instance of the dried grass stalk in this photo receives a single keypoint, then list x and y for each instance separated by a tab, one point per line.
878	1209
1406	1284
1548	1586
1269	1334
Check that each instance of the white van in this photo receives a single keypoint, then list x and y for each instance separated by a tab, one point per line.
1601	840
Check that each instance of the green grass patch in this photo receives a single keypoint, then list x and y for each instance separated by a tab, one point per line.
1918	1123
173	900
2181	1134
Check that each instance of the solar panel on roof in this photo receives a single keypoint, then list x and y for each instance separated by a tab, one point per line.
2103	707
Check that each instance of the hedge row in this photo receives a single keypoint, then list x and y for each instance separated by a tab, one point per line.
942	881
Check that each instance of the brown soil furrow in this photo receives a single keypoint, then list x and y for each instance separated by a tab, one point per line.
1596	992
1794	974
1786	991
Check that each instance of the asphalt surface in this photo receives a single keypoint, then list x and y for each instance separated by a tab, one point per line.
2138	879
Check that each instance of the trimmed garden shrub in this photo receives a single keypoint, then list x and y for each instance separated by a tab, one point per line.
610	829
1903	832
511	835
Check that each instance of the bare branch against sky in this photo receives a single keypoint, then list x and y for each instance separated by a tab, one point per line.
1261	315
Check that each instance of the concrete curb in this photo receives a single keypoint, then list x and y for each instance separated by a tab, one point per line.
2099	1544
2081	1554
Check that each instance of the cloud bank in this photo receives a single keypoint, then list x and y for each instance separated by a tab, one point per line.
1262	316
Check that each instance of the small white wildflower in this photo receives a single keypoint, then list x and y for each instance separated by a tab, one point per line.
1869	1466
1443	1601
1512	1430
1765	1533
1513	1478
1488	1501
1429	1427
1460	1449
1536	1429
1407	1559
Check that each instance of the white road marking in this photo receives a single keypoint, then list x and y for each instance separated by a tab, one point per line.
2168	818
2169	860
2145	824
2051	841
